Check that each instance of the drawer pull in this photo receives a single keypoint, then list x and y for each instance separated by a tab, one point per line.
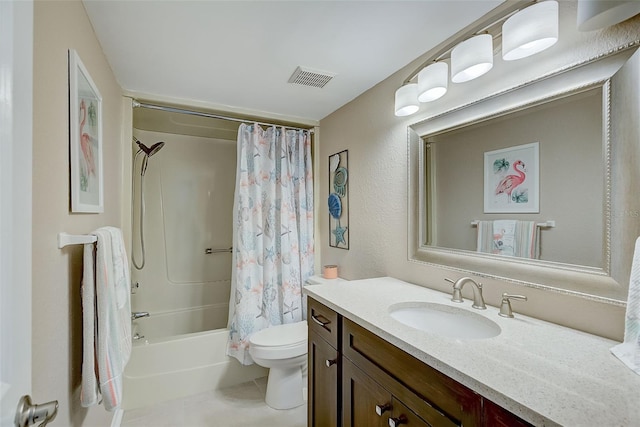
320	320
394	422
330	362
381	409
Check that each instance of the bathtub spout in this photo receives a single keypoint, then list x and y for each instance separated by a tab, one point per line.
138	314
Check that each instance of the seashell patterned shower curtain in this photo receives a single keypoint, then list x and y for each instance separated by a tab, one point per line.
273	250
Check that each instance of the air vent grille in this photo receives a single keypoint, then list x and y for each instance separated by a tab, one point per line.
309	77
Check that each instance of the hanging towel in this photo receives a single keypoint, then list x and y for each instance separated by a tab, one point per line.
107	324
508	237
89	392
629	351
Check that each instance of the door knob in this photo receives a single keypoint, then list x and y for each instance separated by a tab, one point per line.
330	362
29	414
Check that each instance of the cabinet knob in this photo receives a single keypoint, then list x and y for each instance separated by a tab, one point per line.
381	409
330	362
394	422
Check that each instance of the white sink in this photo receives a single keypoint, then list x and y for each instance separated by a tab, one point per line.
444	320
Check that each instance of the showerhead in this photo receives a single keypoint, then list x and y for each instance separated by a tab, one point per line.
150	151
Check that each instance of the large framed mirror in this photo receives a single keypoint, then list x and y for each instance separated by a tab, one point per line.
579	132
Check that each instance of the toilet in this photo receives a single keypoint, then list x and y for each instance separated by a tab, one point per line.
283	349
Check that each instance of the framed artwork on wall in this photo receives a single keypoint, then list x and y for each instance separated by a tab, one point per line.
339	200
511	179
85	139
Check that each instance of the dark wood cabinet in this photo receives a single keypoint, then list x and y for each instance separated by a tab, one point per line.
323	367
496	416
357	379
403	416
364	401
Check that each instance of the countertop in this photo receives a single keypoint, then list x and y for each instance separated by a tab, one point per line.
544	373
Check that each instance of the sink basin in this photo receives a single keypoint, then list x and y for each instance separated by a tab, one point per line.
444	320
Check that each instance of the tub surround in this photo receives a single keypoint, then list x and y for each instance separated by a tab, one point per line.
162	369
544	373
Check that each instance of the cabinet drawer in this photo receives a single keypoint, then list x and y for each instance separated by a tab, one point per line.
412	378
323	321
404	416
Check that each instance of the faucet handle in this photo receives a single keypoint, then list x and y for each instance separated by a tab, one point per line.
505	306
453	282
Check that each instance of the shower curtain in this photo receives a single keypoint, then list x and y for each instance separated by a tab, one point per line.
273	247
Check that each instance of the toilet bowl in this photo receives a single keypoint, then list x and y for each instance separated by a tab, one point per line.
282	349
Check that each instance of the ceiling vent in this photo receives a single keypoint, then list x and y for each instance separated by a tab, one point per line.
309	77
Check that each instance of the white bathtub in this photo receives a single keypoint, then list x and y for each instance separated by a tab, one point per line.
178	366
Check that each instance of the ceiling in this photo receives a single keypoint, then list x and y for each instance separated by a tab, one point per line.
239	55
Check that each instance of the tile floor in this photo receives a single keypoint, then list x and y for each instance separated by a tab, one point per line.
238	406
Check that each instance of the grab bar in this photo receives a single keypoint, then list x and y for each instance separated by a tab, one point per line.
210	251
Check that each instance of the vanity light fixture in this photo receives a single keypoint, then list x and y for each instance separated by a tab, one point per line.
525	27
530	31
595	14
407	100
433	81
471	58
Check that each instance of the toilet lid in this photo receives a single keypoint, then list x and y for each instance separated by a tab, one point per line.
280	335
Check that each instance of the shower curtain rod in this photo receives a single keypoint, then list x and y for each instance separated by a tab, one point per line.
211	116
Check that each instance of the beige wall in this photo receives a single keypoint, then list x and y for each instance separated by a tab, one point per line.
377	144
57	315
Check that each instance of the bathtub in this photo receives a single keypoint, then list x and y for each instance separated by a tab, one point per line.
166	368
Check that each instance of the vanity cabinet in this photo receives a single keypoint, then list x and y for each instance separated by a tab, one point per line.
371	382
323	366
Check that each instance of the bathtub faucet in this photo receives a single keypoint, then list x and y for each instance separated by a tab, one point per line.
138	314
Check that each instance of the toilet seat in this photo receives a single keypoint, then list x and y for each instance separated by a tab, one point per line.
280	342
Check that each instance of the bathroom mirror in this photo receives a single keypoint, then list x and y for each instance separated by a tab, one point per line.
583	124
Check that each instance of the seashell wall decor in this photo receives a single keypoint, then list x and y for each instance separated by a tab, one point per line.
338	202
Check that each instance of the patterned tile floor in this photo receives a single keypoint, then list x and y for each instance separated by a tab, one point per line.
238	406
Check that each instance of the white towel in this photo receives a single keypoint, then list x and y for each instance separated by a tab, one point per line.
508	237
110	325
89	392
629	351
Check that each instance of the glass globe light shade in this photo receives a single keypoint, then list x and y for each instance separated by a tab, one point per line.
471	58
530	31
433	81
407	100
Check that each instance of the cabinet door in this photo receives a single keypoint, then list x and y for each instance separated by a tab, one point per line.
323	383
364	402
402	416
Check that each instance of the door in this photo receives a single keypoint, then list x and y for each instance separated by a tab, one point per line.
364	401
16	82
323	383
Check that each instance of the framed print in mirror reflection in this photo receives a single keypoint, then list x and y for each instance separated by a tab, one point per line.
511	179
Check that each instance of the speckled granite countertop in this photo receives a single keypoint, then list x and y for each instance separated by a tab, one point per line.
545	373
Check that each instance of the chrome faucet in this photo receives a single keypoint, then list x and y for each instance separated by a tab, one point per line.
138	314
478	300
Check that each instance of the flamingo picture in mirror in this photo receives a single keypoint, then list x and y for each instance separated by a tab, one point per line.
511	177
